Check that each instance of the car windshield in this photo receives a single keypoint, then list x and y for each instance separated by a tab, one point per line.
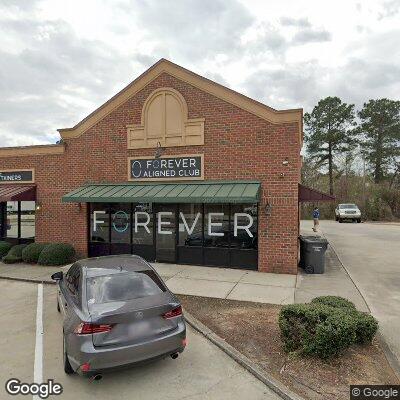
343	206
123	286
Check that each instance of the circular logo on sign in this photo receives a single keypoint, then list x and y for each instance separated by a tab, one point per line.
120	221
156	164
136	169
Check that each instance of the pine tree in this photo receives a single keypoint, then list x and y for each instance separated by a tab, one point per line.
329	131
380	136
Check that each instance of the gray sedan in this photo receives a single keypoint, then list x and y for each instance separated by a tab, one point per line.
116	312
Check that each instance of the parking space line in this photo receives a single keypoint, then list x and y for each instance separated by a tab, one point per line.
38	364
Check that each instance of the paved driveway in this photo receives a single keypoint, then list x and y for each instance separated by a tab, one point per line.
371	254
202	372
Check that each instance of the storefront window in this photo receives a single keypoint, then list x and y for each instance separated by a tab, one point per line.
216	226
17	220
243	233
198	234
190	225
121	223
27	219
142	226
12	219
99	223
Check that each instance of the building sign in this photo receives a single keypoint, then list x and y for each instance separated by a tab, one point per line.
17	176
166	168
120	222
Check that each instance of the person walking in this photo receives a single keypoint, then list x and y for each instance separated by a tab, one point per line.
316	215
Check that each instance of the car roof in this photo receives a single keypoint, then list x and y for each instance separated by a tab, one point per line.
97	266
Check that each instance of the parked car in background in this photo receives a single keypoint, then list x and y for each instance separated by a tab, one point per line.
116	311
349	212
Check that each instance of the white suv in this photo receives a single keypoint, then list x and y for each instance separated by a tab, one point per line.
347	212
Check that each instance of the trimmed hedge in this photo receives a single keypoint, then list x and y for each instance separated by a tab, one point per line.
334	301
15	254
4	248
366	328
31	253
323	330
56	254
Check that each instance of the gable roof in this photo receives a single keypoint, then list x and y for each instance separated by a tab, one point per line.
204	84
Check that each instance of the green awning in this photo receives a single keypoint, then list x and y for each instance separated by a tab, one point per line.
190	192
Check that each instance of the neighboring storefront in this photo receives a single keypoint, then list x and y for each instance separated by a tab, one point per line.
175	168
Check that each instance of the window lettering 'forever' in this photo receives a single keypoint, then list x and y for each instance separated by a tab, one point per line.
121	221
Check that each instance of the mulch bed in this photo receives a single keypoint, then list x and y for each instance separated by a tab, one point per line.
252	328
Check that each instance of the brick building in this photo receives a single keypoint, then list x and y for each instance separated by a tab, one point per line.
175	168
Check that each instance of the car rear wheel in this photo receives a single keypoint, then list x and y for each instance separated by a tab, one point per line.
67	366
359	220
340	220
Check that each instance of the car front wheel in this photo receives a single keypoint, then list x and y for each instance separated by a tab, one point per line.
67	366
340	220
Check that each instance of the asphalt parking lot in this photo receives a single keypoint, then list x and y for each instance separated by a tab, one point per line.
371	254
202	372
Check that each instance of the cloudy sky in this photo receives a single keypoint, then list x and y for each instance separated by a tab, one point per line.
59	60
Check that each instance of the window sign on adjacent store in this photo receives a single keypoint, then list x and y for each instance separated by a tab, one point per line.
17	176
166	168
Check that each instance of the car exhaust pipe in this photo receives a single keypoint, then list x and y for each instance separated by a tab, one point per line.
97	377
174	356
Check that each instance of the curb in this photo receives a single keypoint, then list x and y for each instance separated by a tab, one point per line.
245	362
28	280
390	356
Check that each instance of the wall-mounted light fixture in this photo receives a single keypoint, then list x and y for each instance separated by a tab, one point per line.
285	161
268	209
159	150
38	206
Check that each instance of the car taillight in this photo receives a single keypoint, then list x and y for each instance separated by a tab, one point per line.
176	312
86	328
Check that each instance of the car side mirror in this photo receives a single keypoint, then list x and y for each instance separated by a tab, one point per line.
57	276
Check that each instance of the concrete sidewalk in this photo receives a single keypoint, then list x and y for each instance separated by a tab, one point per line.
230	283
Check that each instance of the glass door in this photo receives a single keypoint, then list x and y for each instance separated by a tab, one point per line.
166	233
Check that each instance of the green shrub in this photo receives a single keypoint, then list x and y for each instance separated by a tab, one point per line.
367	326
15	254
334	301
10	259
323	330
332	336
4	248
56	254
31	253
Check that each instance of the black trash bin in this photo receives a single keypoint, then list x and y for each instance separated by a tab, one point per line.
312	254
